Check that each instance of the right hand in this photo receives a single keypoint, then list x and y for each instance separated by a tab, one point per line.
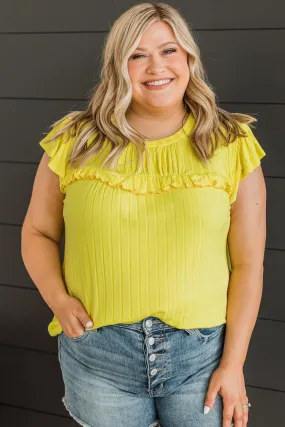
71	315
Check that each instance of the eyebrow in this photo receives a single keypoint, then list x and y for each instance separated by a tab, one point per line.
163	44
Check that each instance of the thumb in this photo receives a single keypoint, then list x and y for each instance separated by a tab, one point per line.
83	317
210	399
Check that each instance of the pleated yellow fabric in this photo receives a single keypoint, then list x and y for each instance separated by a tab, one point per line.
154	242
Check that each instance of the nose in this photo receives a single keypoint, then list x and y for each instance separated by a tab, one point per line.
156	65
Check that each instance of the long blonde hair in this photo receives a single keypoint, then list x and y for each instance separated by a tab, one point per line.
105	115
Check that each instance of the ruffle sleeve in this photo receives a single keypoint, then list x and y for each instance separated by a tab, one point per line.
57	150
245	157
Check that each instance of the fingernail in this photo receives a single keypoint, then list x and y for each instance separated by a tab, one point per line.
206	409
89	323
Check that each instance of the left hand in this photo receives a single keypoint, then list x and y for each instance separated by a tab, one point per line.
228	381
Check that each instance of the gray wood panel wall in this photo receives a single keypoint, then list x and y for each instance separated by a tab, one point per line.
50	58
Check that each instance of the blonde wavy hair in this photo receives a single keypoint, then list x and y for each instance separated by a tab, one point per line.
111	97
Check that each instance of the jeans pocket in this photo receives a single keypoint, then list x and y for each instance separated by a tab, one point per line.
205	333
210	332
82	336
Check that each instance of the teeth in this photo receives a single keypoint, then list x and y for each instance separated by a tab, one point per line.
158	82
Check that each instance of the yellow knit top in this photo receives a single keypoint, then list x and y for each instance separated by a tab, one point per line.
154	242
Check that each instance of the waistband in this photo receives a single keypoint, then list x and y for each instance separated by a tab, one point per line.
150	322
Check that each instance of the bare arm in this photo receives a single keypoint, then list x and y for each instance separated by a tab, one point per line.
41	235
246	239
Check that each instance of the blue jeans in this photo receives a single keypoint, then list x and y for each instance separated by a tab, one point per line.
143	374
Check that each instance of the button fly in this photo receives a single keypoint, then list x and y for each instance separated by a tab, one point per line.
152	357
151	341
148	323
153	371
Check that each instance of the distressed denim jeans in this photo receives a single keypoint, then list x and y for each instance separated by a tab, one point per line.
144	374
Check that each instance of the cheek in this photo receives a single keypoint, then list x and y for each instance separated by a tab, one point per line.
180	67
134	71
183	75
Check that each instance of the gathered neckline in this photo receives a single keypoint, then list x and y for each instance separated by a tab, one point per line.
174	137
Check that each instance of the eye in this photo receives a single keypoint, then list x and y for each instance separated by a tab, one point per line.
170	50
140	55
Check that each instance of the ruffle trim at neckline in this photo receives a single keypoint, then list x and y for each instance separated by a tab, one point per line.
146	183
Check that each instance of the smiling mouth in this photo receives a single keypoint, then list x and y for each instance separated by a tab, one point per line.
158	86
154	84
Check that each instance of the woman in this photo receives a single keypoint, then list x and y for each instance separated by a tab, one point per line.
163	200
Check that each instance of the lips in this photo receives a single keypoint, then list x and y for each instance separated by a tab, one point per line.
150	81
158	87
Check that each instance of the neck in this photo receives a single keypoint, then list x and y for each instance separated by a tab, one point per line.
156	125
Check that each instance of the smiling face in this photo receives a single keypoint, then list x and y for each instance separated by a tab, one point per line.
158	57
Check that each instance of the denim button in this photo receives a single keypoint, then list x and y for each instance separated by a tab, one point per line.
153	371
152	357
148	323
151	341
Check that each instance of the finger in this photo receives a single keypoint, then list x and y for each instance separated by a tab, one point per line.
75	328
210	398
238	415
245	417
85	320
245	411
228	412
